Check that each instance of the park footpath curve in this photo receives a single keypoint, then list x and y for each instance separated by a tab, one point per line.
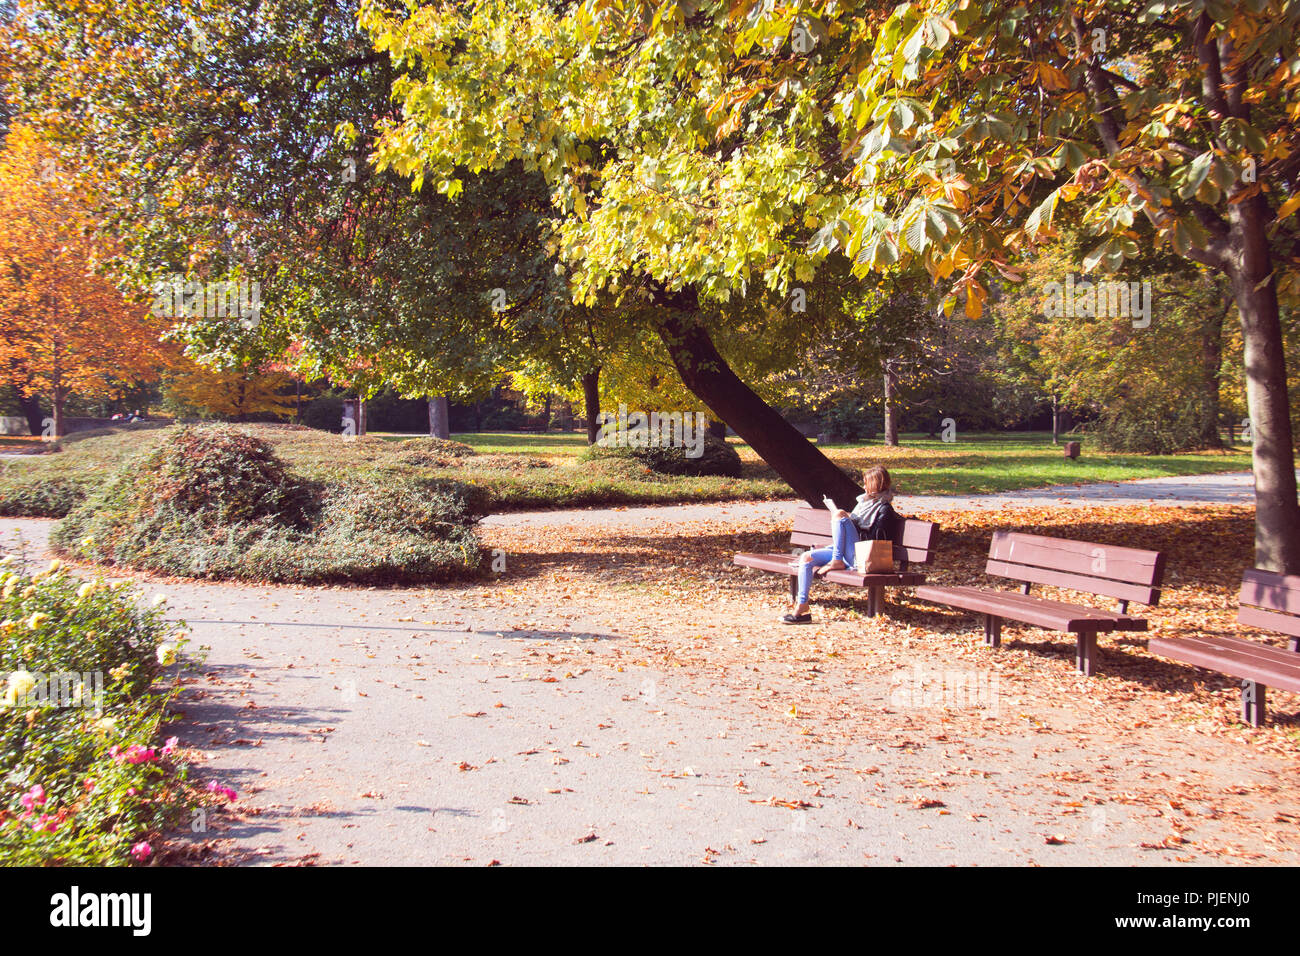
402	726
1229	488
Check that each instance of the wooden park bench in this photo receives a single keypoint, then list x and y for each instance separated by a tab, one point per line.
1127	574
1267	601
914	543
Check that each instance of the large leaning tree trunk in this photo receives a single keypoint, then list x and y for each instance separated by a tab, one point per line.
706	373
591	404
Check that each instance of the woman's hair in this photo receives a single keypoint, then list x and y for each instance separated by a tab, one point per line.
875	480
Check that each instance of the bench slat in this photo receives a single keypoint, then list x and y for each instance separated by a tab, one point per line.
913	555
1234	656
1269	621
1029	609
915	540
782	564
913	532
1270	591
1106	561
813	521
922	535
1120	590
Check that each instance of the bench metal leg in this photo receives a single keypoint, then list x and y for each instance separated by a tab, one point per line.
1252	702
1085	654
992	631
794	578
875	598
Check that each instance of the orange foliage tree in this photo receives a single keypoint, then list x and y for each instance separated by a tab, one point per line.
236	393
63	328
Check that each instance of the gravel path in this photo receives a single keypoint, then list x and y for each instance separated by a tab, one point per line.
413	726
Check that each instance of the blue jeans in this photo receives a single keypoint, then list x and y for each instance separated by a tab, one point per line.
844	536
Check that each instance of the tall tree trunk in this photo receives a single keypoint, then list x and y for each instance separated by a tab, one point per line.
591	404
57	399
1211	366
1241	250
1056	419
31	409
891	406
439	417
1277	512
354	410
705	372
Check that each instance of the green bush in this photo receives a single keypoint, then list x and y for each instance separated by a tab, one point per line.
1149	429
718	458
851	419
215	502
87	782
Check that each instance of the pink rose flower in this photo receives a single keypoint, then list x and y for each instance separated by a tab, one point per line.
214	787
141	851
136	754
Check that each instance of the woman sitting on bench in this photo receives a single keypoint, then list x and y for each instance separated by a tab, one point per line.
873	519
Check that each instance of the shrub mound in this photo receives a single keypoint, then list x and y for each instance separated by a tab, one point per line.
718	458
88	782
441	446
216	502
430	452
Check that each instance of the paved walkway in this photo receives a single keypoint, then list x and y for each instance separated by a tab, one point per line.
414	726
1226	488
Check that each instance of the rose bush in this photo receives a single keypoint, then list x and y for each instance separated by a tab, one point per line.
84	690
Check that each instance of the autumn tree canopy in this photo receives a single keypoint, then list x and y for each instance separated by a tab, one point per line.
63	328
699	148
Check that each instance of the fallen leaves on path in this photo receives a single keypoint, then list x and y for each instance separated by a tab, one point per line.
1143	731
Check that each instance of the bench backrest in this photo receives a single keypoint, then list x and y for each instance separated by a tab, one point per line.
1127	574
914	540
1270	601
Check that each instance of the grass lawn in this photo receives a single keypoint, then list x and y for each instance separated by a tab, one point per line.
975	464
522	471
